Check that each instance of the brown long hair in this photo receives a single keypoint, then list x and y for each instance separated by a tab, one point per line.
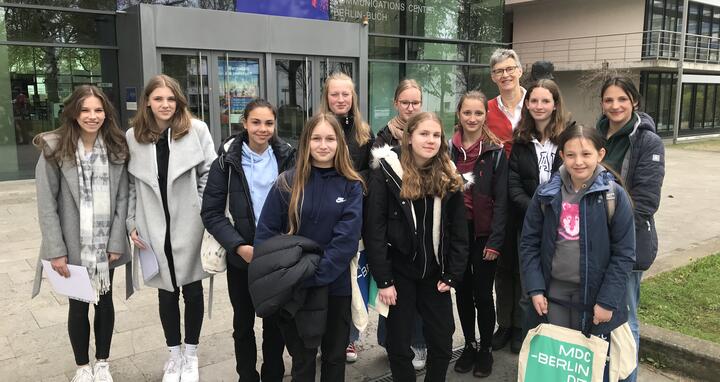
69	130
145	128
486	135
526	129
438	176
362	129
342	164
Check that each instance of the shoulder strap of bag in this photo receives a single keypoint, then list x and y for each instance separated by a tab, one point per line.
610	201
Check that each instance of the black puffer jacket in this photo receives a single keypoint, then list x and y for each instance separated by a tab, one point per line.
241	208
385	137
643	171
389	230
523	176
275	278
360	155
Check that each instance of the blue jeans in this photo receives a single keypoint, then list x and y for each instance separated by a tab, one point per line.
633	300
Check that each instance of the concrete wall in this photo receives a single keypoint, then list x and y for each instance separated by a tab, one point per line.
564	31
553	19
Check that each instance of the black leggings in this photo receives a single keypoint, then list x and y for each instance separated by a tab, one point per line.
475	293
169	304
79	326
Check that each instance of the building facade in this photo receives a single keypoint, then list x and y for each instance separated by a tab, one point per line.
225	52
641	38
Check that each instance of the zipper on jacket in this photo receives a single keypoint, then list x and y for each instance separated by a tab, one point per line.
585	287
423	238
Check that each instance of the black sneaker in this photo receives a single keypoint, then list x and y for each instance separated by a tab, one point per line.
501	338
467	359
517	340
483	364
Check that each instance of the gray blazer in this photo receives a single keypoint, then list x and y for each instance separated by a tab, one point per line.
188	167
58	190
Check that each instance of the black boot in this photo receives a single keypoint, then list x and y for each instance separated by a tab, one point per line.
483	364
467	359
501	338
517	340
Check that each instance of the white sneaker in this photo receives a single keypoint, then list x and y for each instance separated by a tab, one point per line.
190	369
173	368
83	374
420	357
102	372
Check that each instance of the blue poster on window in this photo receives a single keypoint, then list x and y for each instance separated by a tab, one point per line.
306	9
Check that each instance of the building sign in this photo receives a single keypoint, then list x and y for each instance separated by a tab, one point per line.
306	9
336	10
375	10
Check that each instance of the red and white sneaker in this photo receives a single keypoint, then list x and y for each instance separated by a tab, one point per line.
351	354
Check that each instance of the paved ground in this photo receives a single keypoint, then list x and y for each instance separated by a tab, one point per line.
34	344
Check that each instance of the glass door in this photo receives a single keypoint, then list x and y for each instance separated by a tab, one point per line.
294	95
191	71
299	87
238	83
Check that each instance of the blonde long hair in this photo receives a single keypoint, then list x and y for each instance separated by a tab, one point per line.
342	164
438	176
146	129
362	129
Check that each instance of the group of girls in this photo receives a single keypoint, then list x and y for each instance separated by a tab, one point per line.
433	214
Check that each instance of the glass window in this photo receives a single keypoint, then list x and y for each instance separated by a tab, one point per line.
651	84
103	5
478	20
432	51
32	91
384	77
709	106
686	106
698	117
35	25
387	48
442	87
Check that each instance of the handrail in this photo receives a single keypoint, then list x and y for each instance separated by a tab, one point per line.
627	47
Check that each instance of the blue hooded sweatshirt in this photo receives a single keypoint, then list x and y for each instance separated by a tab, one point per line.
331	215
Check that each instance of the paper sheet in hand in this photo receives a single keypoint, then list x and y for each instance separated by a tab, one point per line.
77	286
148	261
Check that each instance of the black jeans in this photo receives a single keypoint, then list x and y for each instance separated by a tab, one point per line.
79	326
507	278
169	303
435	308
273	345
333	345
475	294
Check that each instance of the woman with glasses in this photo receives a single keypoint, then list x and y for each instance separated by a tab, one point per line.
503	116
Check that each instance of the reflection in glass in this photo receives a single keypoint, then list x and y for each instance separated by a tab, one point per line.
32	92
294	94
329	67
239	80
192	74
35	25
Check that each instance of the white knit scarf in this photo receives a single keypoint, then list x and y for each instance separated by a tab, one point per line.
95	215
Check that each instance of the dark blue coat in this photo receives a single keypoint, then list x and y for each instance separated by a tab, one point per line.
331	216
241	208
607	250
643	171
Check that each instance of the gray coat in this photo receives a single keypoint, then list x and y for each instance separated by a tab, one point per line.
188	166
58	190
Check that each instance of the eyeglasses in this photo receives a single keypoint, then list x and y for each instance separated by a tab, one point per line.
406	104
509	71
